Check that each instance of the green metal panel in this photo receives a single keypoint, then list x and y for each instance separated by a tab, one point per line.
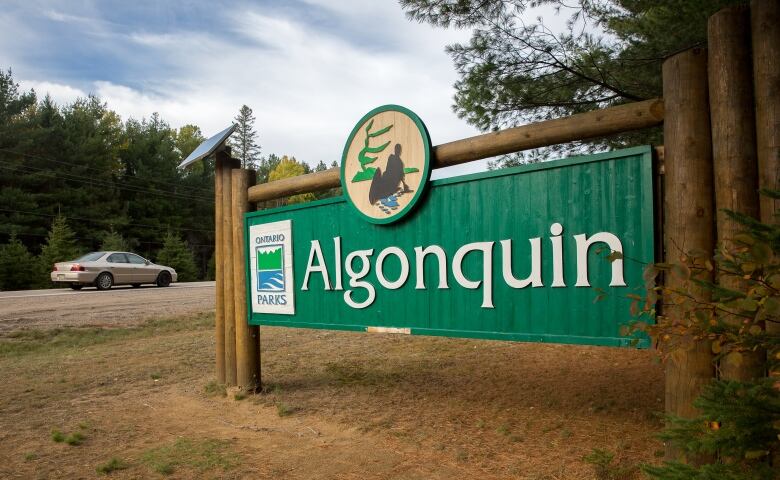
611	192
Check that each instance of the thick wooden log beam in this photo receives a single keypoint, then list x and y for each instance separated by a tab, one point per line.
247	360
688	212
733	149
598	123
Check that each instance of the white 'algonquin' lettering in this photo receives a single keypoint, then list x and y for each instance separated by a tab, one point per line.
365	290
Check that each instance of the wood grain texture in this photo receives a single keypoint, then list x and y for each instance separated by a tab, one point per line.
227	278
404	134
688	210
219	315
733	148
247	354
623	118
765	26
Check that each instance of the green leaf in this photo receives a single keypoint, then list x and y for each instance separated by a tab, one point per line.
375	149
380	132
364	175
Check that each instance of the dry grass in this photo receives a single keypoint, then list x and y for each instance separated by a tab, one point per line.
334	405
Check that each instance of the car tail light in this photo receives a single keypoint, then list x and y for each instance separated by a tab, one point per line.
54	268
77	268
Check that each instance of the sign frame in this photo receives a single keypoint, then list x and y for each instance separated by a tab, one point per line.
647	219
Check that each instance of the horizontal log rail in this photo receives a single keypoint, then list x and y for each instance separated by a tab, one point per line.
598	123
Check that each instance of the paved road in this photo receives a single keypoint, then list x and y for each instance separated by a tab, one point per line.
119	306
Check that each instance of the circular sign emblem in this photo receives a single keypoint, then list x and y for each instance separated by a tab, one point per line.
386	164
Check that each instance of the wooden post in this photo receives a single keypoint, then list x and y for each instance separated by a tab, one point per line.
221	159
765	20
733	147
765	29
247	355
227	264
688	210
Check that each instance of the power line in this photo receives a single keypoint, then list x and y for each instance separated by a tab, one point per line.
63	162
103	183
92	220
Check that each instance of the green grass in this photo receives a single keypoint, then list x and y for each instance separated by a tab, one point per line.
29	457
213	388
24	342
111	466
73	439
239	396
200	455
606	468
284	410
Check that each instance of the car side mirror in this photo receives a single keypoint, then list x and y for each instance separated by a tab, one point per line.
147	262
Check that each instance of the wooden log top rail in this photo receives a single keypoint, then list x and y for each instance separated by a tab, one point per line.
598	123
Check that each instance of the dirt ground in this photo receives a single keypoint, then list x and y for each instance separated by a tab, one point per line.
140	402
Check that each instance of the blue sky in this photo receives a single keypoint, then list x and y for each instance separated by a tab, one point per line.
308	68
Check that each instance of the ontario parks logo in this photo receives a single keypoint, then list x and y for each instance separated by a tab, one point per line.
386	164
270	268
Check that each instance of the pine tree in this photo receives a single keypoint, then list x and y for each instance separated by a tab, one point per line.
60	244
243	142
113	240
175	254
17	266
738	429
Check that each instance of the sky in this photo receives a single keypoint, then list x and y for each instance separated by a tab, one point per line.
309	69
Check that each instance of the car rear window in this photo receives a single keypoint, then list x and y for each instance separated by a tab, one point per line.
90	257
136	259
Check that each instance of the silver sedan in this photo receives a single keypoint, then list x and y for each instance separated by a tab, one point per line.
106	269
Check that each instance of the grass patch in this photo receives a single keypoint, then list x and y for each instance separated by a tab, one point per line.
239	396
57	436
155	376
111	466
200	455
25	342
75	438
606	468
284	410
353	373
215	389
29	457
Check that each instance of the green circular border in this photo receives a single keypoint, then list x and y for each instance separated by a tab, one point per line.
426	168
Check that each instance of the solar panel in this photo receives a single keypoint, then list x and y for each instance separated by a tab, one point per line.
208	147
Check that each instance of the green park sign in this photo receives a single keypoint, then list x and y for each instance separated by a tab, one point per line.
546	252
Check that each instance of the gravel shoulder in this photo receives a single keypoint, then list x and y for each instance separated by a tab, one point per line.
120	306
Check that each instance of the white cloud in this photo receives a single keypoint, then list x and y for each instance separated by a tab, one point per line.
307	85
60	93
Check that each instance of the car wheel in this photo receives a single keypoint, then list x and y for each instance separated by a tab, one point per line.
163	279
76	287
136	285
104	281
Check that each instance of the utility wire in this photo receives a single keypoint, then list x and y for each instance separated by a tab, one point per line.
93	220
71	164
103	183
